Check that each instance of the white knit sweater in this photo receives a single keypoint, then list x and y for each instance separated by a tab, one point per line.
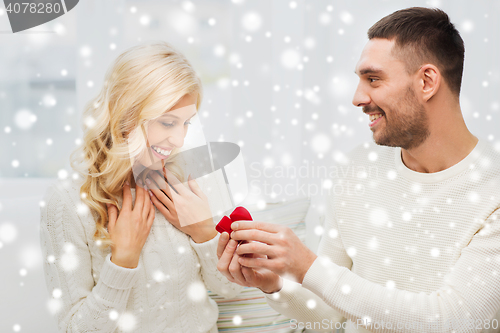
167	292
403	247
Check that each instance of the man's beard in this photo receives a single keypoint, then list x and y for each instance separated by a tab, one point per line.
406	128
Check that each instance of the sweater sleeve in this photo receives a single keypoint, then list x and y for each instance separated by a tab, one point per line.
78	303
294	301
214	280
466	302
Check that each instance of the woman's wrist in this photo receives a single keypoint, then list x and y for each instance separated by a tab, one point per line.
205	236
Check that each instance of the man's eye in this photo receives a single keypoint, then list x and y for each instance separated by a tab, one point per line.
372	80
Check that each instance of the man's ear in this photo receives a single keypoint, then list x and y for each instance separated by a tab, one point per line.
429	81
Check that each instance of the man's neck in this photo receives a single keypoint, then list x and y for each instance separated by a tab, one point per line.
443	148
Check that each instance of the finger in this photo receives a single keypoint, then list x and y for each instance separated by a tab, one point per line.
151	216
175	183
223	239
255	235
257	263
146	207
269	227
163	198
257	248
112	216
248	273
127	196
193	185
157	203
225	259
139	196
159	182
235	271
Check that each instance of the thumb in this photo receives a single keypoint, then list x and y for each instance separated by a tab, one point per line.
112	216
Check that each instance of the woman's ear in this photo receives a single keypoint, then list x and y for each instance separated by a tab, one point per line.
430	81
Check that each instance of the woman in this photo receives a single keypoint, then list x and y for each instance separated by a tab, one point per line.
120	258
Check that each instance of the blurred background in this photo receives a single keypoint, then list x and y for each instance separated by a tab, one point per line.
278	81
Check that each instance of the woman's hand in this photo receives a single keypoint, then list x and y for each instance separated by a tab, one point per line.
130	228
230	267
186	209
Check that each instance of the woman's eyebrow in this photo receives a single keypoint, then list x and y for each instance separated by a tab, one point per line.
174	116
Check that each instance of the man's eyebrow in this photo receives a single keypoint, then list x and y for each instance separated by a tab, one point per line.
369	70
174	116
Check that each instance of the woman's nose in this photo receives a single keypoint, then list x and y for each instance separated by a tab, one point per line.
176	138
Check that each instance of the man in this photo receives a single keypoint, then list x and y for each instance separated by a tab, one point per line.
419	250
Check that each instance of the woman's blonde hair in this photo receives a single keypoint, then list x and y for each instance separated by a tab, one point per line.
142	84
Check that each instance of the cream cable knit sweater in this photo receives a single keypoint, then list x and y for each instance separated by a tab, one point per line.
165	293
405	248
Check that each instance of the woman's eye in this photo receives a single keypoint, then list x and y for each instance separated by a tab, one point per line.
187	123
168	124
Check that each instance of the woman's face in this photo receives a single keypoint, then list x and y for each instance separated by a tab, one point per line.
167	132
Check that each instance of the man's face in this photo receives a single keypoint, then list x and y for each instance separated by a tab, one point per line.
385	90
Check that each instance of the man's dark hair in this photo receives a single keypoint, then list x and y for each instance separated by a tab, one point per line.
424	35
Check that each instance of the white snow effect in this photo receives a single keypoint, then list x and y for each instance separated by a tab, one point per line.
309	43
467	26
15	163
85	51
237	320
333	233
145	20
391	174
56	293
127	322
62	174
321	143
435	252
197	292
69	259
390	284
324	18
406	216
182	22
113	315
54	306
219	50
351	251
373	243
30	256
159	276
188	6
290	58
319	230
251	21
346	17
24	119
311	304
372	156
346	289
379	217
474	197
82	209
8	232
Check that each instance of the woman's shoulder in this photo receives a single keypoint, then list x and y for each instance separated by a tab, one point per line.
65	194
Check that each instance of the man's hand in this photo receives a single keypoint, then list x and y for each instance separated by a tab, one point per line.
278	249
229	266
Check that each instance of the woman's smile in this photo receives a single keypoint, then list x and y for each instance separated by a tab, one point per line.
161	152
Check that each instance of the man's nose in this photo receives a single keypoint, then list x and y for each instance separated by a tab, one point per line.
360	98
